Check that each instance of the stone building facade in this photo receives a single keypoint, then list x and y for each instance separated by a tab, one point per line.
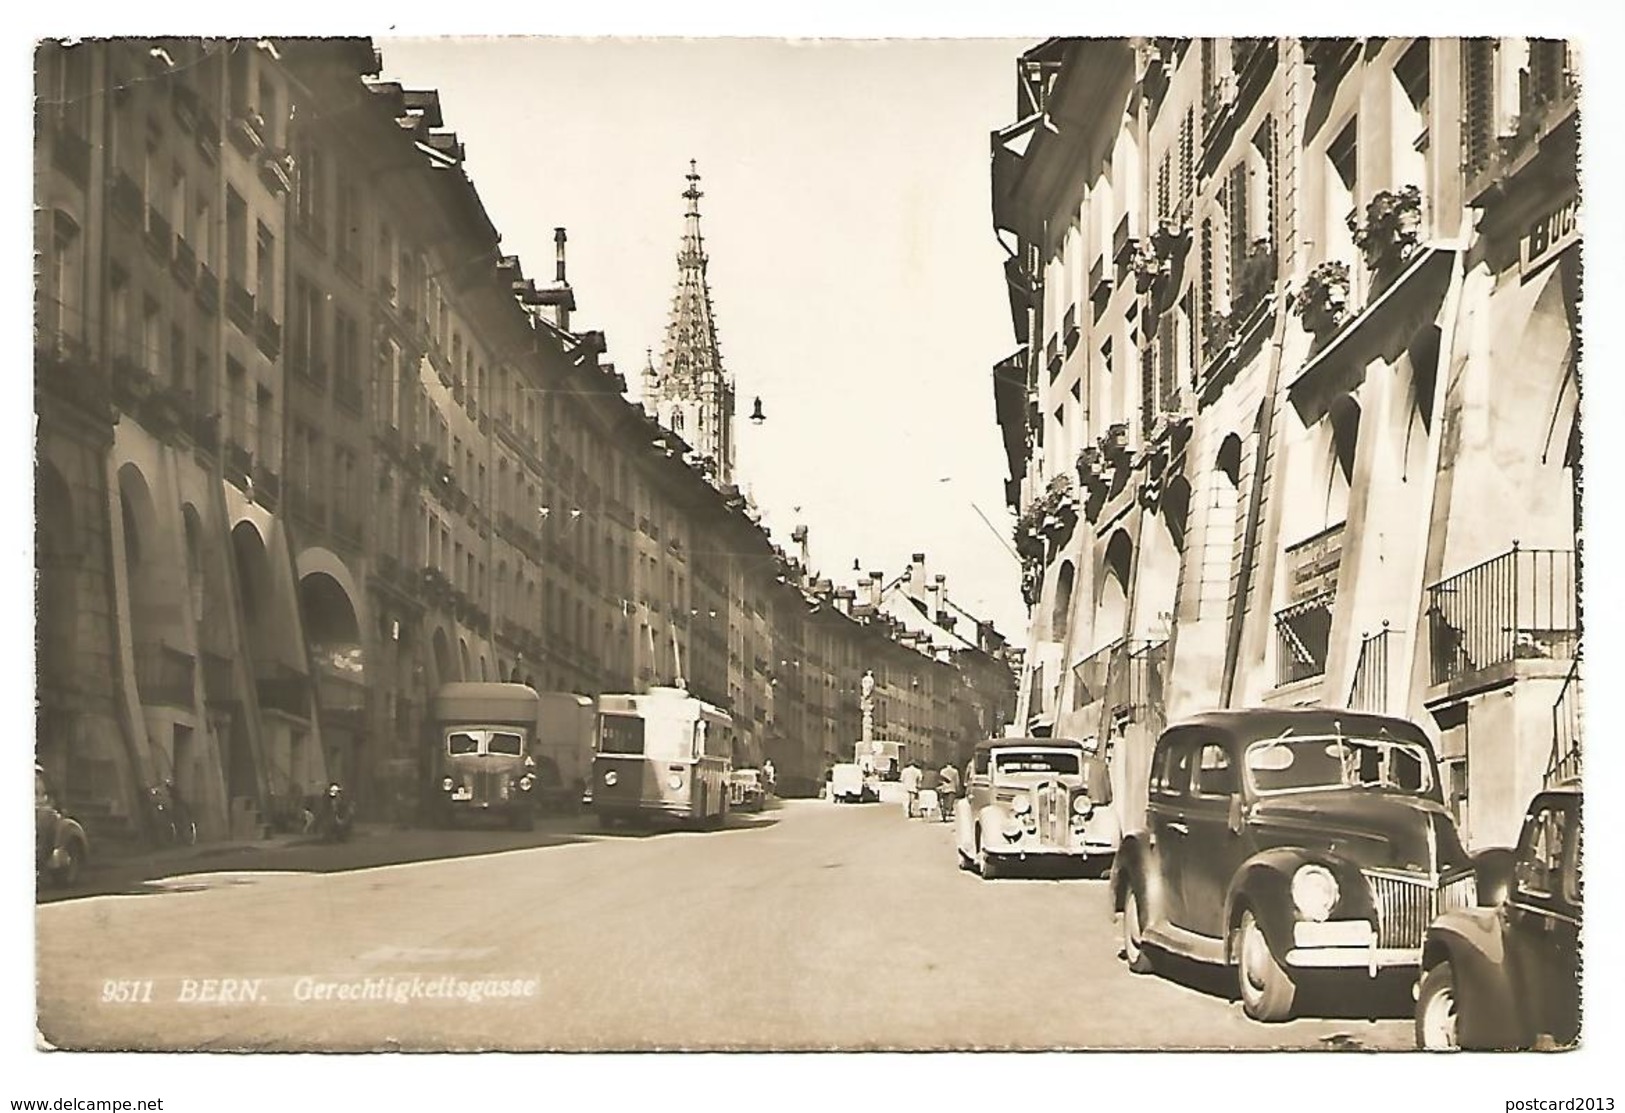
1293	418
311	444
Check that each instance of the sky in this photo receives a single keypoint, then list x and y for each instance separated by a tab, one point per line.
854	270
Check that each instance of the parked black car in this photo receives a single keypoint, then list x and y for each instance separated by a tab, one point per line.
1508	976
1282	841
60	844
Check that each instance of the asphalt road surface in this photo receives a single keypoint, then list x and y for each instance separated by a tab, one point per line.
810	926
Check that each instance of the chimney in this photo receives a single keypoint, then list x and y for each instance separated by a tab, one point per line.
876	582
917	584
558	249
843	600
939	597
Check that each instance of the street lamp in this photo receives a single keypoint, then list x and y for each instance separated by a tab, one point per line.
756	414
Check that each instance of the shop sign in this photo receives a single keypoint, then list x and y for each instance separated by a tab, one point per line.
1547	237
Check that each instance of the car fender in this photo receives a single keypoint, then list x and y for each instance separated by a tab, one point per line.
989	818
1135	864
70	833
1486	1010
1264	884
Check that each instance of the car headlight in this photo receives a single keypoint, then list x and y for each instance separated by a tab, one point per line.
675	780
448	784
1022	804
1012	827
525	782
1314	891
1082	805
611	777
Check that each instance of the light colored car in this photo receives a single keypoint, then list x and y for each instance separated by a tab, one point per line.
746	790
850	783
1032	799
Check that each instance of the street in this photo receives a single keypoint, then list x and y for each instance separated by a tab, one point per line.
808	926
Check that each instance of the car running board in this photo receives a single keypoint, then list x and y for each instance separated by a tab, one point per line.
1177	940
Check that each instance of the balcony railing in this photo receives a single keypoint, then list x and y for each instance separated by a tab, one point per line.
268	334
1134	684
1092	675
1370	689
287	692
208	290
164	675
1568	723
1518	605
1303	635
240	306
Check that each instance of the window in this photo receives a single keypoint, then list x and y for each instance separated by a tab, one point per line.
269	111
202	234
236	238
1171	771
150	337
265	270
1541	850
1341	192
1215	774
178	214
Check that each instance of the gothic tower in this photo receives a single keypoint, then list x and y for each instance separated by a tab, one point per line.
687	390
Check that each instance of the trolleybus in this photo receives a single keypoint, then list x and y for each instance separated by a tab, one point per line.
661	753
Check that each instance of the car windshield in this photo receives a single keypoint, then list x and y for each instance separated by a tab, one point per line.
505	743
1035	761
501	743
1291	764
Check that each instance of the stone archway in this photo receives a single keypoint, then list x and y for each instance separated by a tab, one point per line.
1111	610
333	642
445	668
153	607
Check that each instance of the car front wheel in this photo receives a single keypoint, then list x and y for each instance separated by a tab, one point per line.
1134	953
68	872
1436	1010
1267	990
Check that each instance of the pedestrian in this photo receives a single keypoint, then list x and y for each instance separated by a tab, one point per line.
911	789
947	791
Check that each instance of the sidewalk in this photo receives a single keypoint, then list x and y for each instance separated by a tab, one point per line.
120	853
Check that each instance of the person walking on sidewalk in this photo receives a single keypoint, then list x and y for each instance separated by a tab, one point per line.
910	778
947	791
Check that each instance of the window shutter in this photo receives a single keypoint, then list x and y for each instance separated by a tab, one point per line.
1164	176
1478	94
1167	362
1187	130
1204	307
1240	232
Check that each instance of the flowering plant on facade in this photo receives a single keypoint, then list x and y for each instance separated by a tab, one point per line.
1392	229
1323	302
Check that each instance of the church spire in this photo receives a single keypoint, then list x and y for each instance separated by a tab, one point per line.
688	391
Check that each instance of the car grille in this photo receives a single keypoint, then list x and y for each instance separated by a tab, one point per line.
1051	808
1407	905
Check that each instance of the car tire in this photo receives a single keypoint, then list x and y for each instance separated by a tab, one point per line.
1134	952
1437	1010
65	875
1266	989
987	866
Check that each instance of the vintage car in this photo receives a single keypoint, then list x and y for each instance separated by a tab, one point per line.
850	783
746	791
1279	841
60	844
1508	975
1034	798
